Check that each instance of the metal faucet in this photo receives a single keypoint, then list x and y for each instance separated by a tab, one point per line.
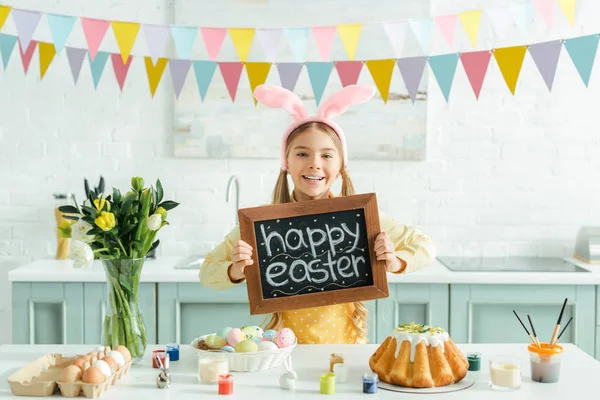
234	181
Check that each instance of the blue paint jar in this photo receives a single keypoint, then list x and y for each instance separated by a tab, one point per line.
370	382
173	351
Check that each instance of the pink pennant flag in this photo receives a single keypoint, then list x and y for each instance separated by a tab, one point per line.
348	71
120	68
545	7
447	25
213	40
26	57
94	31
231	72
324	37
476	64
396	33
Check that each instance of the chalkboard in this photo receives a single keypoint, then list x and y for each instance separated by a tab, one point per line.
313	253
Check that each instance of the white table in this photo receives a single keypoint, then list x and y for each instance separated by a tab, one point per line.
580	375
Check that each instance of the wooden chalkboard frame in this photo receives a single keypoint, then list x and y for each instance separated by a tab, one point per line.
365	202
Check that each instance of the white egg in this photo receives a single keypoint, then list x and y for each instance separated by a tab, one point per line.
103	367
267	345
100	349
118	357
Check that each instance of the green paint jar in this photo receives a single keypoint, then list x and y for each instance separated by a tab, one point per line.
328	384
474	361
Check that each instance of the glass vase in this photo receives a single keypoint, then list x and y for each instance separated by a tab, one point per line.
123	322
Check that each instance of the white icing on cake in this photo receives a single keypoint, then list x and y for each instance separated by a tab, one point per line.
415	333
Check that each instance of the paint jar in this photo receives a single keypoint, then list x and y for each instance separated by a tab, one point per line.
505	373
211	366
341	372
173	351
225	382
161	355
545	362
334	359
328	384
474	361
370	381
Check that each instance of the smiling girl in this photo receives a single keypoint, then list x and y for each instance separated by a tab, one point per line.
314	155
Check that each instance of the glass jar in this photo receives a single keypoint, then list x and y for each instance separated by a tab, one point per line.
63	244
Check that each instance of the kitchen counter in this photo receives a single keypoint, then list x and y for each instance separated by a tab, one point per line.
577	376
163	270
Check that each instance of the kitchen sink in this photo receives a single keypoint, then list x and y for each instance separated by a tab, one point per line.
191	262
510	264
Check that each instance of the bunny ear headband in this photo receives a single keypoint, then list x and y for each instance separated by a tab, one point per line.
336	104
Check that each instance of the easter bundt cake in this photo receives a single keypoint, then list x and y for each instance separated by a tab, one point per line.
419	356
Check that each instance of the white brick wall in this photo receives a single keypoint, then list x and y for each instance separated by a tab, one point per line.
504	175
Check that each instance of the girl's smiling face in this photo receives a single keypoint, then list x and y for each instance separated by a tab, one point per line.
313	164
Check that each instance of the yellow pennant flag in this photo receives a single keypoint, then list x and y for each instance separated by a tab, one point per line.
4	11
510	61
350	34
568	8
155	72
381	71
470	22
47	53
242	41
257	74
125	33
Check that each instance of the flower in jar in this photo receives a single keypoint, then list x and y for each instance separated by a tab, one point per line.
79	231
81	253
154	222
106	221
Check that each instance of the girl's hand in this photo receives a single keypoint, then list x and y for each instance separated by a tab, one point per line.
241	255
384	250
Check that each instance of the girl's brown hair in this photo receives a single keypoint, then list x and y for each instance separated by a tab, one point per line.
281	194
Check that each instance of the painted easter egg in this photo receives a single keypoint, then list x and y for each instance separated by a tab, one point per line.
235	336
285	338
252	331
270	334
246	346
267	345
215	342
224	331
228	349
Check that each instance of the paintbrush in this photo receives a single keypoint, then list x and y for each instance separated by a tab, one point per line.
534	334
524	327
564	329
557	327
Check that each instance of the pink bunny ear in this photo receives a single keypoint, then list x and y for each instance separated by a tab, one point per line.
339	102
276	97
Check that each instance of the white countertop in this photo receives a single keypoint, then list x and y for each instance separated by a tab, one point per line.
163	269
578	375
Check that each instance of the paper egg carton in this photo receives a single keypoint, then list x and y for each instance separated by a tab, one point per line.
41	378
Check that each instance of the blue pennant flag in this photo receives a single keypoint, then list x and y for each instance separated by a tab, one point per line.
297	39
60	28
318	73
204	71
7	44
184	37
582	51
97	66
421	28
443	68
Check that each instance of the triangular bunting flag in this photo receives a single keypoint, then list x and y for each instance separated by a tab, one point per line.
475	64
27	55
510	61
568	8
470	23
546	55
184	37
46	53
381	71
350	35
156	37
97	66
522	13
396	33
324	37
179	70
120	68
544	7
444	68
75	56
411	69
26	23
348	71
582	51
297	38
318	74
501	20
125	34
204	71
231	72
7	44
4	11
257	75
213	40
288	74
94	31
242	41
447	25
154	72
60	29
269	40
421	28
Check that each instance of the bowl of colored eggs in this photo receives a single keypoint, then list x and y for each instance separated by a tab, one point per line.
248	348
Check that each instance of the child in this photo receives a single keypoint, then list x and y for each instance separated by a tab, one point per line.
313	153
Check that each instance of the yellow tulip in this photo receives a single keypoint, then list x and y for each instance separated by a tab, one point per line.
99	203
106	221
